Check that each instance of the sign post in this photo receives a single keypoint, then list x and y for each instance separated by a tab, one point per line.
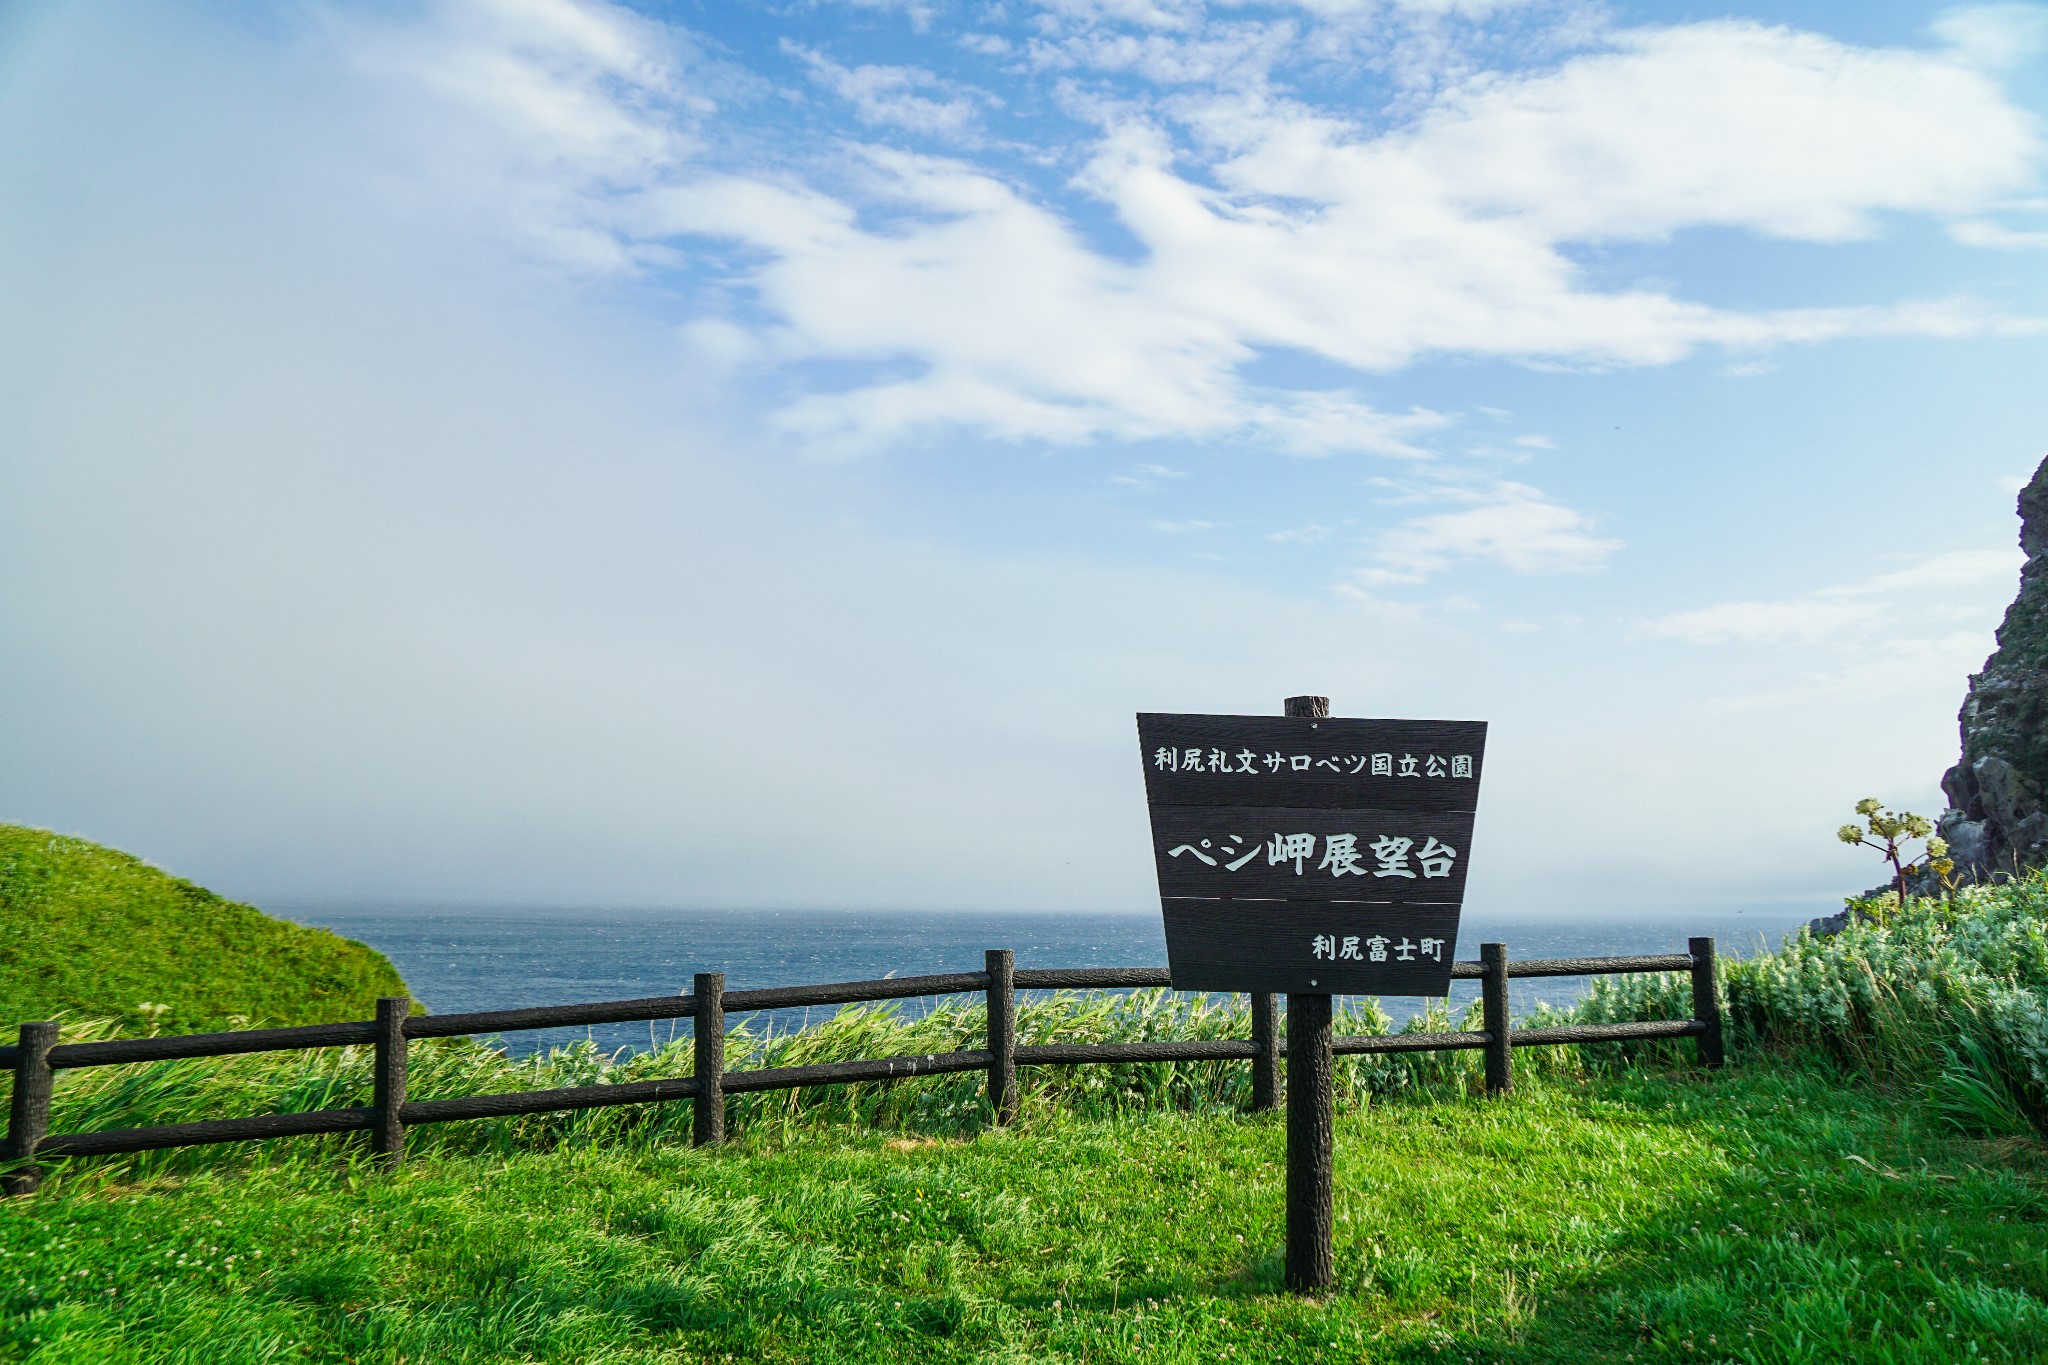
1311	1117
1314	856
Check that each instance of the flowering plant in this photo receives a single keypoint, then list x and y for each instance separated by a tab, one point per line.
1886	830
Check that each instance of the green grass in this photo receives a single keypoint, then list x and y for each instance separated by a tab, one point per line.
90	932
140	1096
1775	1212
1868	1183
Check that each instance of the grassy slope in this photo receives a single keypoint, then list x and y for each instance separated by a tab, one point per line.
1772	1213
92	932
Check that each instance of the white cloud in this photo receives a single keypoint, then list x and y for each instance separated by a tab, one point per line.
1146	476
1957	569
1512	525
906	97
1233	54
1181	528
1997	237
1994	36
490	586
1788	134
1365	239
1313	533
919	12
1767	622
1897	597
541	111
1019	329
1905	666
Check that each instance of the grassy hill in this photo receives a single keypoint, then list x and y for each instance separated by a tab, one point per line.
91	932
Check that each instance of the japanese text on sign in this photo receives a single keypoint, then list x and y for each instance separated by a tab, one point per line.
1342	857
1249	761
1345	948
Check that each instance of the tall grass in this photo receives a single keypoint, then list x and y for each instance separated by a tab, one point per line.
1946	999
147	1094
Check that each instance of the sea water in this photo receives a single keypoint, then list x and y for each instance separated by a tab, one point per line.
485	958
461	958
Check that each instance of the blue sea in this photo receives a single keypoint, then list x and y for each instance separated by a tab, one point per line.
480	958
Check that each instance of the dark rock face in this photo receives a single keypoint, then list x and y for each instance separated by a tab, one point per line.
1996	822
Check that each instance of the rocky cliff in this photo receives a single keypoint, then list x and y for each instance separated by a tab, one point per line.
1996	822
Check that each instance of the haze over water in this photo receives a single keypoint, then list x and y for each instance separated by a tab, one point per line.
475	958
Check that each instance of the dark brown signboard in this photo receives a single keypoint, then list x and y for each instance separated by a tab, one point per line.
1303	855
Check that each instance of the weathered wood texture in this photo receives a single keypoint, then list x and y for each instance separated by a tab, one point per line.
1493	1005
1265	1051
1090	978
845	1073
551	1016
1357	1044
1706	1001
1241	945
1001	970
684	1006
707	1118
1605	1033
1311	1130
208	1131
1191	1050
549	1101
1310	763
28	1110
387	1139
1579	966
1284	845
853	992
122	1051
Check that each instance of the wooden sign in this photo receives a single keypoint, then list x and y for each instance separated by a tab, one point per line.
1311	856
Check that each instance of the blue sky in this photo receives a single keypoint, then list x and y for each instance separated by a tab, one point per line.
764	454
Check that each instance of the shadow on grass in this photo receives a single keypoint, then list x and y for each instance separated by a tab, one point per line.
1813	1219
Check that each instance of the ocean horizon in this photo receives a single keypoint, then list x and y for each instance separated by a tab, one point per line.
458	958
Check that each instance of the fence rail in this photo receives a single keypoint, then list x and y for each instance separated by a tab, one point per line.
37	1056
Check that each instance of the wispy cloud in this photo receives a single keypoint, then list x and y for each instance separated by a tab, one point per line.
1834	611
964	293
1511	525
1146	476
906	97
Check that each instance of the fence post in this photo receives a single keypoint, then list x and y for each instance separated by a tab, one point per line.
1706	1000
1266	1040
1493	996
28	1118
1002	1033
707	1122
387	1137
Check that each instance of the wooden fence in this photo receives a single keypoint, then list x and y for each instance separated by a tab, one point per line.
38	1056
